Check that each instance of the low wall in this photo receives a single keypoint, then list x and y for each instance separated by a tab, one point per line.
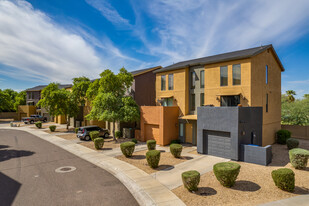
297	131
9	115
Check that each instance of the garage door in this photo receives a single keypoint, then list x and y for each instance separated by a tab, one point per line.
152	132
218	143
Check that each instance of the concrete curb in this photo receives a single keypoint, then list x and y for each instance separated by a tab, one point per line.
145	189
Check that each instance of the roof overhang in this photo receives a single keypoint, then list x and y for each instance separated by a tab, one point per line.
189	117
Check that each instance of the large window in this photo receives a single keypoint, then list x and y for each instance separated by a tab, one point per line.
192	80
192	102
167	102
163	82
266	102
181	129
170	82
202	79
236	74
223	76
230	101
202	99
266	74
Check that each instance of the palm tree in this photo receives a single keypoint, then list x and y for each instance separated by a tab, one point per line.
291	94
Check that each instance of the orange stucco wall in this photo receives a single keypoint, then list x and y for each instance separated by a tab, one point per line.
25	111
163	121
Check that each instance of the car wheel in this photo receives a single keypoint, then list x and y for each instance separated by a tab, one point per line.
106	135
87	138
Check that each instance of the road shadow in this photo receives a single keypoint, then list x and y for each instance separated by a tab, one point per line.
10	154
205	191
4	146
9	189
246	186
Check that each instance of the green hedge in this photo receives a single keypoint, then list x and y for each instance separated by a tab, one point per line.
127	148
52	128
118	134
191	179
98	142
151	144
94	135
176	150
299	158
226	173
134	140
282	136
38	124
175	141
284	179
292	143
76	130
153	158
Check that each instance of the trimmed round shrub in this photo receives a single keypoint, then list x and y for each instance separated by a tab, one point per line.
52	128
151	144
292	143
299	158
98	143
176	150
282	136
94	135
118	134
127	148
76	130
226	173
191	179
284	179
38	124
175	141
134	140
153	158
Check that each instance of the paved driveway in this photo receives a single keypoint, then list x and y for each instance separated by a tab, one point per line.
28	176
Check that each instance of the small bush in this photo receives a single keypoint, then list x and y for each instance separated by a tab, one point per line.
292	143
127	148
226	173
282	136
38	124
76	130
94	135
191	179
52	128
153	158
175	141
118	134
151	144
134	140
98	143
284	179
176	150
299	158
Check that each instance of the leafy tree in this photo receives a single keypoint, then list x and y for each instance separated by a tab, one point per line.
291	94
20	99
93	89
110	103
59	102
79	89
6	104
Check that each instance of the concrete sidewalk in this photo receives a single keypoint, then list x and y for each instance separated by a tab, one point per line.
301	200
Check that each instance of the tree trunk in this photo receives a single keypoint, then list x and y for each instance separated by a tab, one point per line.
114	136
68	122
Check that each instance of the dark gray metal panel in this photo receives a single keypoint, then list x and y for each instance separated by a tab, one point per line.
219	143
257	155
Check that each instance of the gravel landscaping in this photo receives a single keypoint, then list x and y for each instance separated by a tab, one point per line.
254	184
109	143
71	136
167	161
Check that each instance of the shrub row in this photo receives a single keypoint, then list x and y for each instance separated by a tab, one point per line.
292	143
127	148
299	158
176	150
52	128
94	135
282	136
151	144
38	124
98	143
153	158
284	179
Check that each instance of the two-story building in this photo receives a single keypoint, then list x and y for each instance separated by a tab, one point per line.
250	77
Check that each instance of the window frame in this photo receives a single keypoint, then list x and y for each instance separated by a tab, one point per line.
193	101
233	69
202	79
267	103
227	76
266	74
163	85
171	87
193	79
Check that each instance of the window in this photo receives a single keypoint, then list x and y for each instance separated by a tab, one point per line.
230	101
167	102
192	102
181	127
163	82
202	99
192	80
266	102
202	79
170	82
236	74
266	74
223	76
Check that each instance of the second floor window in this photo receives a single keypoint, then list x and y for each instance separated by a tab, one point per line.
236	74
192	80
192	102
202	99
223	76
170	82
266	73
163	82
202	79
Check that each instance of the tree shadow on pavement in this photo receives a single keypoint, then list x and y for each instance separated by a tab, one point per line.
10	154
9	189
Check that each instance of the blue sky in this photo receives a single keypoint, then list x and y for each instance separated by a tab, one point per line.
42	41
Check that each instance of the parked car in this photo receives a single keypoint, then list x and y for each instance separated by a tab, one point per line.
84	132
34	118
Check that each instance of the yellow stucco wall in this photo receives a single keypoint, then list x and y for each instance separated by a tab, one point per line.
179	92
213	90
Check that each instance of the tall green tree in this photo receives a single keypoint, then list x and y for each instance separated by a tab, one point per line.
59	102
93	89
6	103
79	89
110	103
20	99
291	94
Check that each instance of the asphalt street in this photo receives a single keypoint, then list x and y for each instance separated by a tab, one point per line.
36	172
